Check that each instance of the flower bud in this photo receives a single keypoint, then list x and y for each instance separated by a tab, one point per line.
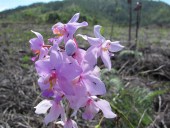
70	47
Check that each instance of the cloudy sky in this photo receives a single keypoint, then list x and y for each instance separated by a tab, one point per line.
9	4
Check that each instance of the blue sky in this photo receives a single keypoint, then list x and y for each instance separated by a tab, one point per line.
8	4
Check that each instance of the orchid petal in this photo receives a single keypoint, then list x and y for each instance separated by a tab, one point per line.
106	59
79	55
90	59
56	40
70	70
43	107
94	41
70	124
55	111
97	34
71	29
76	101
35	43
43	53
48	93
42	83
106	109
40	37
115	46
74	18
56	59
65	86
94	85
43	67
96	71
90	111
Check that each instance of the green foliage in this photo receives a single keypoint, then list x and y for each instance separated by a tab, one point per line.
93	11
133	104
25	66
52	17
26	59
127	54
97	126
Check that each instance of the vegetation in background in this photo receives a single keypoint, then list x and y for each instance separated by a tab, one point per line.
131	103
94	11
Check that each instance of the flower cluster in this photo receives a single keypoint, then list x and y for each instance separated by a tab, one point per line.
69	76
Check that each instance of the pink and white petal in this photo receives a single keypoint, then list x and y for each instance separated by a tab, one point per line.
106	59
60	122
70	70
70	124
56	40
43	107
90	111
79	55
106	109
97	34
40	37
90	59
94	85
72	27
35	44
74	18
56	59
115	46
43	83
76	102
54	113
94	41
79	88
96	71
43	67
43	53
65	86
74	124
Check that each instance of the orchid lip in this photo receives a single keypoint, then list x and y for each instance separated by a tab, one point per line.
59	32
46	46
37	52
105	49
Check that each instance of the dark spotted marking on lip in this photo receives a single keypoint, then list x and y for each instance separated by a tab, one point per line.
94	83
68	35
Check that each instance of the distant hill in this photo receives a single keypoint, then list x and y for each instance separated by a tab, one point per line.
93	11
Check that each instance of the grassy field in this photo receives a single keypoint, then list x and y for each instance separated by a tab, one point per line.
138	85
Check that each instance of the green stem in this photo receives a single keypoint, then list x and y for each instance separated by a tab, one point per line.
122	115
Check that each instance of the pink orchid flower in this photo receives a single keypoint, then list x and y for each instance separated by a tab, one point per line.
54	73
67	30
55	107
38	47
102	47
93	107
68	123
